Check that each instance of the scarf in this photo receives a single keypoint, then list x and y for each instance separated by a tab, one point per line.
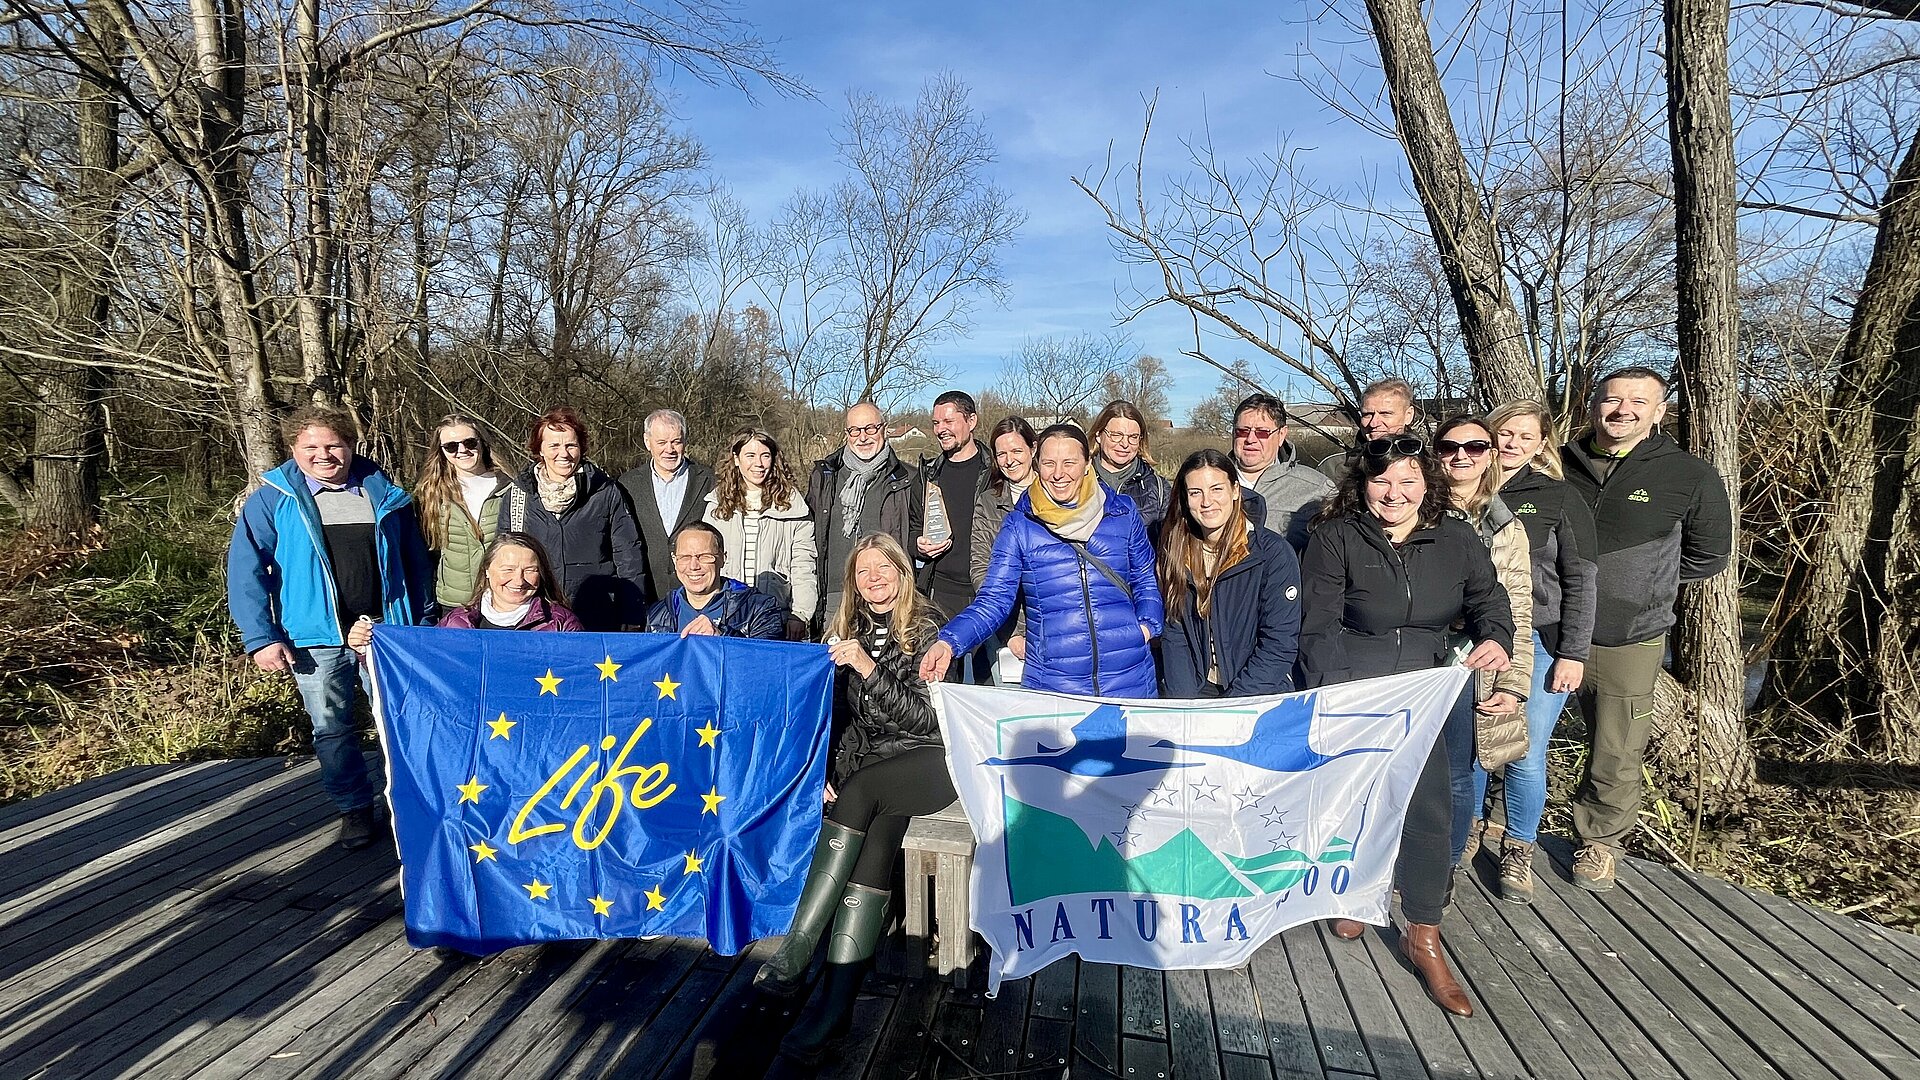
494	615
556	495
1118	480
853	487
1074	521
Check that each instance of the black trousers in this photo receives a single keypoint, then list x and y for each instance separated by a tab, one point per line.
1425	870
881	798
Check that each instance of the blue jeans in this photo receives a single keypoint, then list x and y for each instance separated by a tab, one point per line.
1463	774
326	678
1525	780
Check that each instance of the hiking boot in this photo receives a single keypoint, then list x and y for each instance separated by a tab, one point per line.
358	827
833	858
1593	868
1484	834
1516	872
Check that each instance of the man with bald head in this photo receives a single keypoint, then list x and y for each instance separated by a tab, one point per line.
861	488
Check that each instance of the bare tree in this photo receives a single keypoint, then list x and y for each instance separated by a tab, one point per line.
922	225
1062	376
1144	381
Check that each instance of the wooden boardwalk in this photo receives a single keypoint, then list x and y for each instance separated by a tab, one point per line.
199	921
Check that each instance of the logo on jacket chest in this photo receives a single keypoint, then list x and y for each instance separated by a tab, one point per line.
1526	508
1640	496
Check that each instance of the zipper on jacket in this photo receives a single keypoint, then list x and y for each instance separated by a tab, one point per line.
1093	632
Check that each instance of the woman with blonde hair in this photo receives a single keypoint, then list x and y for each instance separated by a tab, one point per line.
889	767
766	527
458	500
1565	596
1124	462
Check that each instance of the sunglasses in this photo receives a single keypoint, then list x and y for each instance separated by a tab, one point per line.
1473	447
865	429
1394	446
1261	433
459	445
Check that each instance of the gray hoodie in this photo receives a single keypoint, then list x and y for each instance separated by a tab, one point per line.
1293	493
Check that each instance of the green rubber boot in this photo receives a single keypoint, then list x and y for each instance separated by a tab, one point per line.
818	1033
833	859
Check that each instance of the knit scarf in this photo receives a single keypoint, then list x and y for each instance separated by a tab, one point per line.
502	616
556	495
1076	520
1118	480
854	486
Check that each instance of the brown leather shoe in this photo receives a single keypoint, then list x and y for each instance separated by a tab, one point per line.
1348	929
1420	944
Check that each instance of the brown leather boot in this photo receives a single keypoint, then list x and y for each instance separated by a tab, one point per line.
1420	944
1348	929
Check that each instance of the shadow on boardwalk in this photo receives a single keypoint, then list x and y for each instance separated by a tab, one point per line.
199	921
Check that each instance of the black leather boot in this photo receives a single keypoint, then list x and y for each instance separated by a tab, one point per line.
833	859
816	1036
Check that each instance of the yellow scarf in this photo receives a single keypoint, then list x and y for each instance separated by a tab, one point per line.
1074	522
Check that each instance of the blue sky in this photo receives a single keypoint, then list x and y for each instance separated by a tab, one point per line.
1055	84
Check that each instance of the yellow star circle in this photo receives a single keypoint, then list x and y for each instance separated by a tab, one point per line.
500	728
601	905
470	791
707	734
550	684
483	851
711	802
537	889
667	686
693	862
656	899
608	669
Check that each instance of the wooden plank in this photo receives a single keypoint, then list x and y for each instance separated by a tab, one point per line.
1143	1003
1789	962
520	1029
29	812
1096	1029
1666	1008
101	826
1052	990
1870	951
1430	1029
1242	1067
1003	1025
1515	1024
499	987
647	1046
1190	1026
632	981
1378	1022
1145	1059
870	1015
1580	1014
35	819
1049	1046
1289	1041
725	1041
906	1045
1777	1050
955	1027
1821	1043
1328	1015
1236	1013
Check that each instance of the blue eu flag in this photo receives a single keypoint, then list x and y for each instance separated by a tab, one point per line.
551	786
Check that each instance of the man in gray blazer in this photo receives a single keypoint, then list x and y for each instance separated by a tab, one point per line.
667	491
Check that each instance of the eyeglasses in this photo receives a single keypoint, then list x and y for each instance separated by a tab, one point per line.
459	445
1123	440
1394	446
865	429
1261	433
702	559
1473	447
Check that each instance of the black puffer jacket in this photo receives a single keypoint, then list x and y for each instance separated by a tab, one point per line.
1253	628
888	713
593	546
1560	529
1369	610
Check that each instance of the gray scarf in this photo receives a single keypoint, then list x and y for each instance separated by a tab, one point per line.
859	477
1117	480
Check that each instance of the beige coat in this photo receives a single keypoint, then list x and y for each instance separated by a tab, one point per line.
1503	738
789	560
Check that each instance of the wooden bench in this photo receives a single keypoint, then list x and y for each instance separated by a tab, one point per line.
937	859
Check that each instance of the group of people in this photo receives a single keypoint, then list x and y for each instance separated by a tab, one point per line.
1548	570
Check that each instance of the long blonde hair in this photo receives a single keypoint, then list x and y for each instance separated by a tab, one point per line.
1544	459
1475	506
911	623
439	490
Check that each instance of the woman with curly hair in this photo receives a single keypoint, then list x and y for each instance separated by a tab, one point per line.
1387	574
458	500
765	525
888	767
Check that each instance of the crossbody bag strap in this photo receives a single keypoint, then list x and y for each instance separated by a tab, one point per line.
1101	565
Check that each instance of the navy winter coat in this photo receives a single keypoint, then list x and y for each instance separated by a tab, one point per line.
1253	629
739	611
1083	632
593	546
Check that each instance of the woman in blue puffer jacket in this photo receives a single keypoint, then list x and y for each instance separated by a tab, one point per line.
1078	556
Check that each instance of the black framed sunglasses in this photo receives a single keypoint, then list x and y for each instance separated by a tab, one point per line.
460	444
1394	446
1473	447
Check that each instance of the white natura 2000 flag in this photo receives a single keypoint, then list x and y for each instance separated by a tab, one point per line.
1183	834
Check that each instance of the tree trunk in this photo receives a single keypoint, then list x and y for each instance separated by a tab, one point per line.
308	97
67	417
1468	245
1706	645
1846	649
